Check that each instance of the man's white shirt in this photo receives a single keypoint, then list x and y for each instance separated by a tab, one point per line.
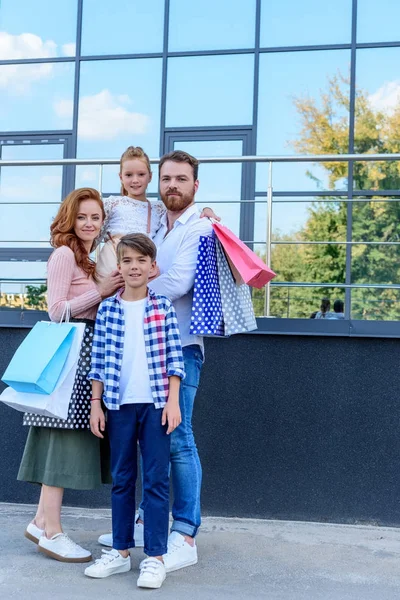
177	259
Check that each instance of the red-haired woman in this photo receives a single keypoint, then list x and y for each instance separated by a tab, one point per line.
63	453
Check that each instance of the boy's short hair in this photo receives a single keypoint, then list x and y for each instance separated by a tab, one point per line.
139	242
181	157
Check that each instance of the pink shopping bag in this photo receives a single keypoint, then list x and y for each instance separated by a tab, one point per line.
250	266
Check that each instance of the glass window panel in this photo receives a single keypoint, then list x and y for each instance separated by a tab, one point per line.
376	221
375	263
377	116
37	31
33	223
128	27
115	112
45	183
309	263
375	304
302	302
307	113
310	22
210	90
297	218
16	272
303	177
210	25
36	96
220	184
378	23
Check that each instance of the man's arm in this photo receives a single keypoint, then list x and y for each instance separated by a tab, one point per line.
179	279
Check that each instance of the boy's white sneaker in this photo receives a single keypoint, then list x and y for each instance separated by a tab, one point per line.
107	540
152	573
180	554
62	548
110	563
33	533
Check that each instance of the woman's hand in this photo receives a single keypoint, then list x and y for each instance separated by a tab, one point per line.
110	284
97	419
208	212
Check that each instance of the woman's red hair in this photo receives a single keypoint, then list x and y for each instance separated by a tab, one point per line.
62	230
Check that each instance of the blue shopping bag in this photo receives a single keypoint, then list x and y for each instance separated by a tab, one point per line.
37	364
206	318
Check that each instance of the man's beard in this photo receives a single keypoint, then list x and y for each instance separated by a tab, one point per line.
178	202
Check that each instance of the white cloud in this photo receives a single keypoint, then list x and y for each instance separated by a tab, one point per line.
18	78
387	97
103	116
69	49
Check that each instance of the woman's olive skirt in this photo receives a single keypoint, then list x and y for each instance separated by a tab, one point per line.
65	458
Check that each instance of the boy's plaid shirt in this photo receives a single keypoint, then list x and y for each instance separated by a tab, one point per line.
162	341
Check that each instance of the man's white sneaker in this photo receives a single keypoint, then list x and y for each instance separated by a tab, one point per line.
62	548
33	533
152	573
180	554
107	540
110	563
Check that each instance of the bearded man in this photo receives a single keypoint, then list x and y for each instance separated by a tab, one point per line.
177	244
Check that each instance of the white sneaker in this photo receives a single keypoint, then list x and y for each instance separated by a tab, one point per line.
110	563
62	548
107	540
152	573
180	554
33	533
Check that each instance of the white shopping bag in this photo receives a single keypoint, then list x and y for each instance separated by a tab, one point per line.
56	404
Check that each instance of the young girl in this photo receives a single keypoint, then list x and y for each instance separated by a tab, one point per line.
131	212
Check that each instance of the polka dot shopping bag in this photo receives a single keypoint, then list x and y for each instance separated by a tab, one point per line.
207	318
237	307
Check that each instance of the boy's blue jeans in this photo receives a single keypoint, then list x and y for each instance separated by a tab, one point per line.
185	463
126	426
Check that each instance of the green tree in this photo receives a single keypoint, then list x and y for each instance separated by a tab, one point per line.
35	297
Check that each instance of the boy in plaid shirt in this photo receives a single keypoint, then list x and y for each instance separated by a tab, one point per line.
137	365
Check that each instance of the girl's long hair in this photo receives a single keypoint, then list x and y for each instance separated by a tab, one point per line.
130	154
62	230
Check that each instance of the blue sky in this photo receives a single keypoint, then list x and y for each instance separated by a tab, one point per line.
120	100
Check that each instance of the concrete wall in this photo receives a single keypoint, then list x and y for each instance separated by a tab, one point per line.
287	427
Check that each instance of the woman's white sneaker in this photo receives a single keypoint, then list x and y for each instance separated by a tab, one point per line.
110	563
180	554
62	548
152	573
33	533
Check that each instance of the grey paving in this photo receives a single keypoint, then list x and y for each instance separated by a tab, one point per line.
246	559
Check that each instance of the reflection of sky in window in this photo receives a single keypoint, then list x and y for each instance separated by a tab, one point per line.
119	107
220	184
378	21
33	96
123	27
210	90
37	30
211	25
294	23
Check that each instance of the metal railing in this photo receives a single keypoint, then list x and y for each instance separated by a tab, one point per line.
270	161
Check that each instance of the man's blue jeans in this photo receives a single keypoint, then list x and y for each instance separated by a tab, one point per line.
185	462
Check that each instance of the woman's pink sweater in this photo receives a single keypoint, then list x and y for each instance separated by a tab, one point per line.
67	282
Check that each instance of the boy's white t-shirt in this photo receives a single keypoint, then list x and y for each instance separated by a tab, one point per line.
134	383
